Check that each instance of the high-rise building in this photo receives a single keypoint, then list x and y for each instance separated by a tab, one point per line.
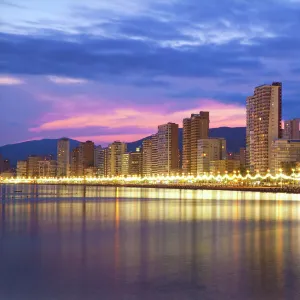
285	155
21	168
291	130
147	157
154	154
107	161
243	157
33	165
167	145
125	164
63	157
194	128
117	149
264	114
86	156
75	169
136	163
99	161
211	149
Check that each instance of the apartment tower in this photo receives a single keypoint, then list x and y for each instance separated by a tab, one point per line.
194	128
167	149
264	114
63	157
147	157
86	156
117	150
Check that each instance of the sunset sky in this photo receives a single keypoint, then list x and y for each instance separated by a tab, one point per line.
114	70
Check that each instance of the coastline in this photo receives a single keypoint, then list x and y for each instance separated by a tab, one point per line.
261	189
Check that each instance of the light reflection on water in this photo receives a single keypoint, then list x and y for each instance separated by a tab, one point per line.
64	242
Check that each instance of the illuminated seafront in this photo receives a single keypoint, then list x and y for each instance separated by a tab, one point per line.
236	182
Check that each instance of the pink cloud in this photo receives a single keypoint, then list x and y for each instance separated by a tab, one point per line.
9	80
221	114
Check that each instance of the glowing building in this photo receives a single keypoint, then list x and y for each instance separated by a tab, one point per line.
285	156
264	114
167	148
194	128
63	157
211	149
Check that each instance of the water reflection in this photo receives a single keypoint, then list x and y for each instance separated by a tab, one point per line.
154	245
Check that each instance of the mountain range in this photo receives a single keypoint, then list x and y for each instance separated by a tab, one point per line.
235	138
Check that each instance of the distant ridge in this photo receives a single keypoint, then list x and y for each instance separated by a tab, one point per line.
235	138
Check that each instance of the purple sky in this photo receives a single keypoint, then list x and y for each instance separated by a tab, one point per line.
106	71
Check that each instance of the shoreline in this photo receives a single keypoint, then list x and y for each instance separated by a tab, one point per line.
261	189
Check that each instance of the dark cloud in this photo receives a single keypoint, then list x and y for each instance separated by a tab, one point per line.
91	58
237	43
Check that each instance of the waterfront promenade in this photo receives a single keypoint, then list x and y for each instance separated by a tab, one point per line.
268	183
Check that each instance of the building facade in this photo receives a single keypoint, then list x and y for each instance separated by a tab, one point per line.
264	114
154	154
291	130
75	170
99	161
21	168
194	128
33	166
125	164
117	150
225	166
63	157
285	155
147	157
211	149
47	168
136	163
86	156
167	149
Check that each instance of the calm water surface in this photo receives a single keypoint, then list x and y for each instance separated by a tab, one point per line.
64	242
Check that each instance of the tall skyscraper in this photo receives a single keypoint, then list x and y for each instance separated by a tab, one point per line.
154	154
194	128
167	145
86	156
291	129
63	157
264	114
125	164
117	149
136	162
107	159
147	157
99	161
75	170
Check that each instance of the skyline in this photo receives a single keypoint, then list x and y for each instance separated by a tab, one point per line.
119	72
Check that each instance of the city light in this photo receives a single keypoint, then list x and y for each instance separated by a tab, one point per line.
161	179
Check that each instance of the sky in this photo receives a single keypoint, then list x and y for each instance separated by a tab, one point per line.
114	70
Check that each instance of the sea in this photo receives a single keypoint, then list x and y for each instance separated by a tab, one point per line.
64	242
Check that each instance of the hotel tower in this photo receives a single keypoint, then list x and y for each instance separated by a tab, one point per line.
264	114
